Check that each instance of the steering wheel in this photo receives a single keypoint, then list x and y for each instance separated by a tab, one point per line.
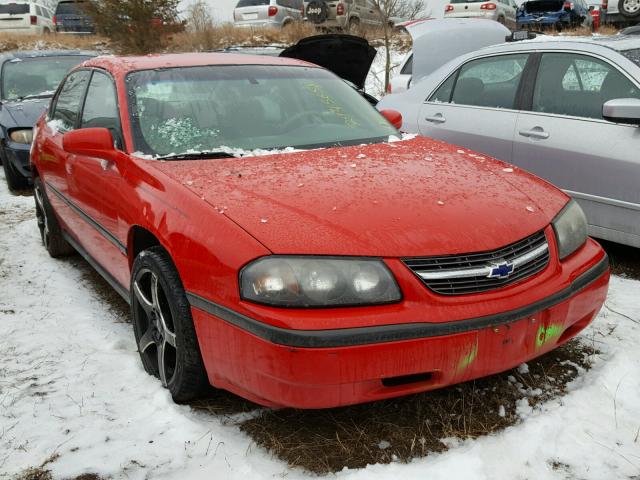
299	116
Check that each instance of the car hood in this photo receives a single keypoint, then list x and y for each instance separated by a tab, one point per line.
410	198
347	56
24	113
438	41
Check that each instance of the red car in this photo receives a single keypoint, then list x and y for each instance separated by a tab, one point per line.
352	267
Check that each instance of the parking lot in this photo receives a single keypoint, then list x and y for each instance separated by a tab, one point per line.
76	401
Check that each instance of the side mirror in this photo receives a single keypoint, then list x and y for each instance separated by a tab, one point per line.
622	110
92	142
393	117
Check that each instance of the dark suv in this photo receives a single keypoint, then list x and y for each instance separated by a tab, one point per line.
71	18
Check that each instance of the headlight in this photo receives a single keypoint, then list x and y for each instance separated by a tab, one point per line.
570	226
318	282
22	136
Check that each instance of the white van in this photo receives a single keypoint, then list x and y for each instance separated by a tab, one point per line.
26	17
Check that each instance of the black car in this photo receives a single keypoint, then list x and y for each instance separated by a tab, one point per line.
71	18
28	80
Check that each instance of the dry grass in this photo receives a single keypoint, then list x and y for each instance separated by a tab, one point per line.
416	426
52	42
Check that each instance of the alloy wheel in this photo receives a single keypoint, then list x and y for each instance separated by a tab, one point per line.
155	326
41	216
631	6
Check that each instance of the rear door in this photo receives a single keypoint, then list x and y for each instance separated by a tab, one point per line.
15	16
563	138
476	107
251	10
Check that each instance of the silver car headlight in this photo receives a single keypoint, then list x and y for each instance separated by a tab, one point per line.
288	281
570	226
24	135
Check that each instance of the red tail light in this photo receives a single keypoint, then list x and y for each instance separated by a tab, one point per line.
568	5
389	88
272	11
449	8
34	20
55	20
605	5
488	6
340	9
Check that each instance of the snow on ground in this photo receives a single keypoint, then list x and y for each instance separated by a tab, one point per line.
374	84
71	383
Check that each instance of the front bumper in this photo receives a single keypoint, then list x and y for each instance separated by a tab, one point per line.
325	368
17	154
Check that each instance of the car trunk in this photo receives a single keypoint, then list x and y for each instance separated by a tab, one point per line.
251	10
544	6
469	7
14	15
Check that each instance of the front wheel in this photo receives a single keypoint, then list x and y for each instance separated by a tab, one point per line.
163	326
50	230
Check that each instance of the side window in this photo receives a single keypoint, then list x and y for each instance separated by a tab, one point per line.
69	98
39	11
490	82
578	85
101	106
443	94
407	69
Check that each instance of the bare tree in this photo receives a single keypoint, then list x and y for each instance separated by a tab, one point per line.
387	11
135	26
199	18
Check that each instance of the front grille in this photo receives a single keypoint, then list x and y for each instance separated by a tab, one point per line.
464	274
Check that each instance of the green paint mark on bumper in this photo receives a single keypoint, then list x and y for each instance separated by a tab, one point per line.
469	358
548	334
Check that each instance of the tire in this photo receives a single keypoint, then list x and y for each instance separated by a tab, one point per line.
629	9
317	11
15	181
502	20
163	326
50	230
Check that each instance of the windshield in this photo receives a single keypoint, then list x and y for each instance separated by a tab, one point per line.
251	3
14	8
633	55
36	76
248	107
68	8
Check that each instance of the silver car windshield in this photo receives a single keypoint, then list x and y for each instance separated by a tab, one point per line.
633	55
247	107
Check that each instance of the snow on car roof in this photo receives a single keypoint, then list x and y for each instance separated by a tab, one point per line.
147	62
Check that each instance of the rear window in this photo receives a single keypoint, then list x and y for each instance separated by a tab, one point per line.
68	8
633	55
251	3
14	8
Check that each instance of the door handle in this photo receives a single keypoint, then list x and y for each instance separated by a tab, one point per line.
437	118
535	132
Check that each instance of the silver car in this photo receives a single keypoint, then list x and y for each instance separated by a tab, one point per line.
342	14
566	109
503	11
267	13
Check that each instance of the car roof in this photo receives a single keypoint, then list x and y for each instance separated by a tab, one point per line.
172	60
547	42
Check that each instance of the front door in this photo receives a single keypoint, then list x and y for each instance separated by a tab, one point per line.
476	107
564	139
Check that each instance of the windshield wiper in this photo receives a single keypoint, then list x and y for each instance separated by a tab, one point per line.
196	155
37	95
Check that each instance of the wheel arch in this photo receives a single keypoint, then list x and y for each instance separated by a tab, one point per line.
139	239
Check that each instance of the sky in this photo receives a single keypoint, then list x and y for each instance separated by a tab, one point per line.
222	10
